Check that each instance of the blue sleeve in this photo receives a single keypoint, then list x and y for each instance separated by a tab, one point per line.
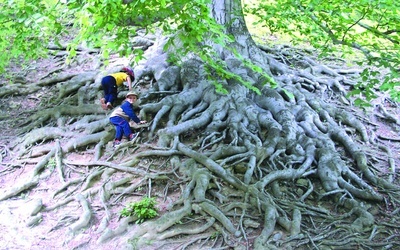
128	110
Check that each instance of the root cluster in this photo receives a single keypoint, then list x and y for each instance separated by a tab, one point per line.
290	168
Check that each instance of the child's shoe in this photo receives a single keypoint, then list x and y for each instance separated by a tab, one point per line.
103	103
109	105
116	143
133	136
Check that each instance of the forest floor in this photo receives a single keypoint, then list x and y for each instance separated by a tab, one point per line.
15	212
50	234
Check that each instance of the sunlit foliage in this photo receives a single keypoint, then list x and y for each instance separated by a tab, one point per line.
372	27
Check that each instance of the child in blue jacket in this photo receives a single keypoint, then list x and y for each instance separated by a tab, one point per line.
121	116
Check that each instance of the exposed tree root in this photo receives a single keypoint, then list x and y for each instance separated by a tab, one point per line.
84	218
17	189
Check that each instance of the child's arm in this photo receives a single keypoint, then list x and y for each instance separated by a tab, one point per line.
128	80
128	109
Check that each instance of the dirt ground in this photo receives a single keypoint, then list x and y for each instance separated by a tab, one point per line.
51	231
15	213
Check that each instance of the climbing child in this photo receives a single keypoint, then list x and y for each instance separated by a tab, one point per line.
111	83
121	116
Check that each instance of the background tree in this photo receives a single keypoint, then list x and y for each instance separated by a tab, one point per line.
369	27
253	146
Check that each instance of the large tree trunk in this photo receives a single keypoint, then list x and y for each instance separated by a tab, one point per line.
262	143
272	161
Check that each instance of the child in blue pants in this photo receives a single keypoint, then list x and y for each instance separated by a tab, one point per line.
111	83
121	116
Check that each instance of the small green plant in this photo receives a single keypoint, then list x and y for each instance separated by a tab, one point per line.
143	209
215	235
51	164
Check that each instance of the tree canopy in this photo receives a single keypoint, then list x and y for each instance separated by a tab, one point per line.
371	27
